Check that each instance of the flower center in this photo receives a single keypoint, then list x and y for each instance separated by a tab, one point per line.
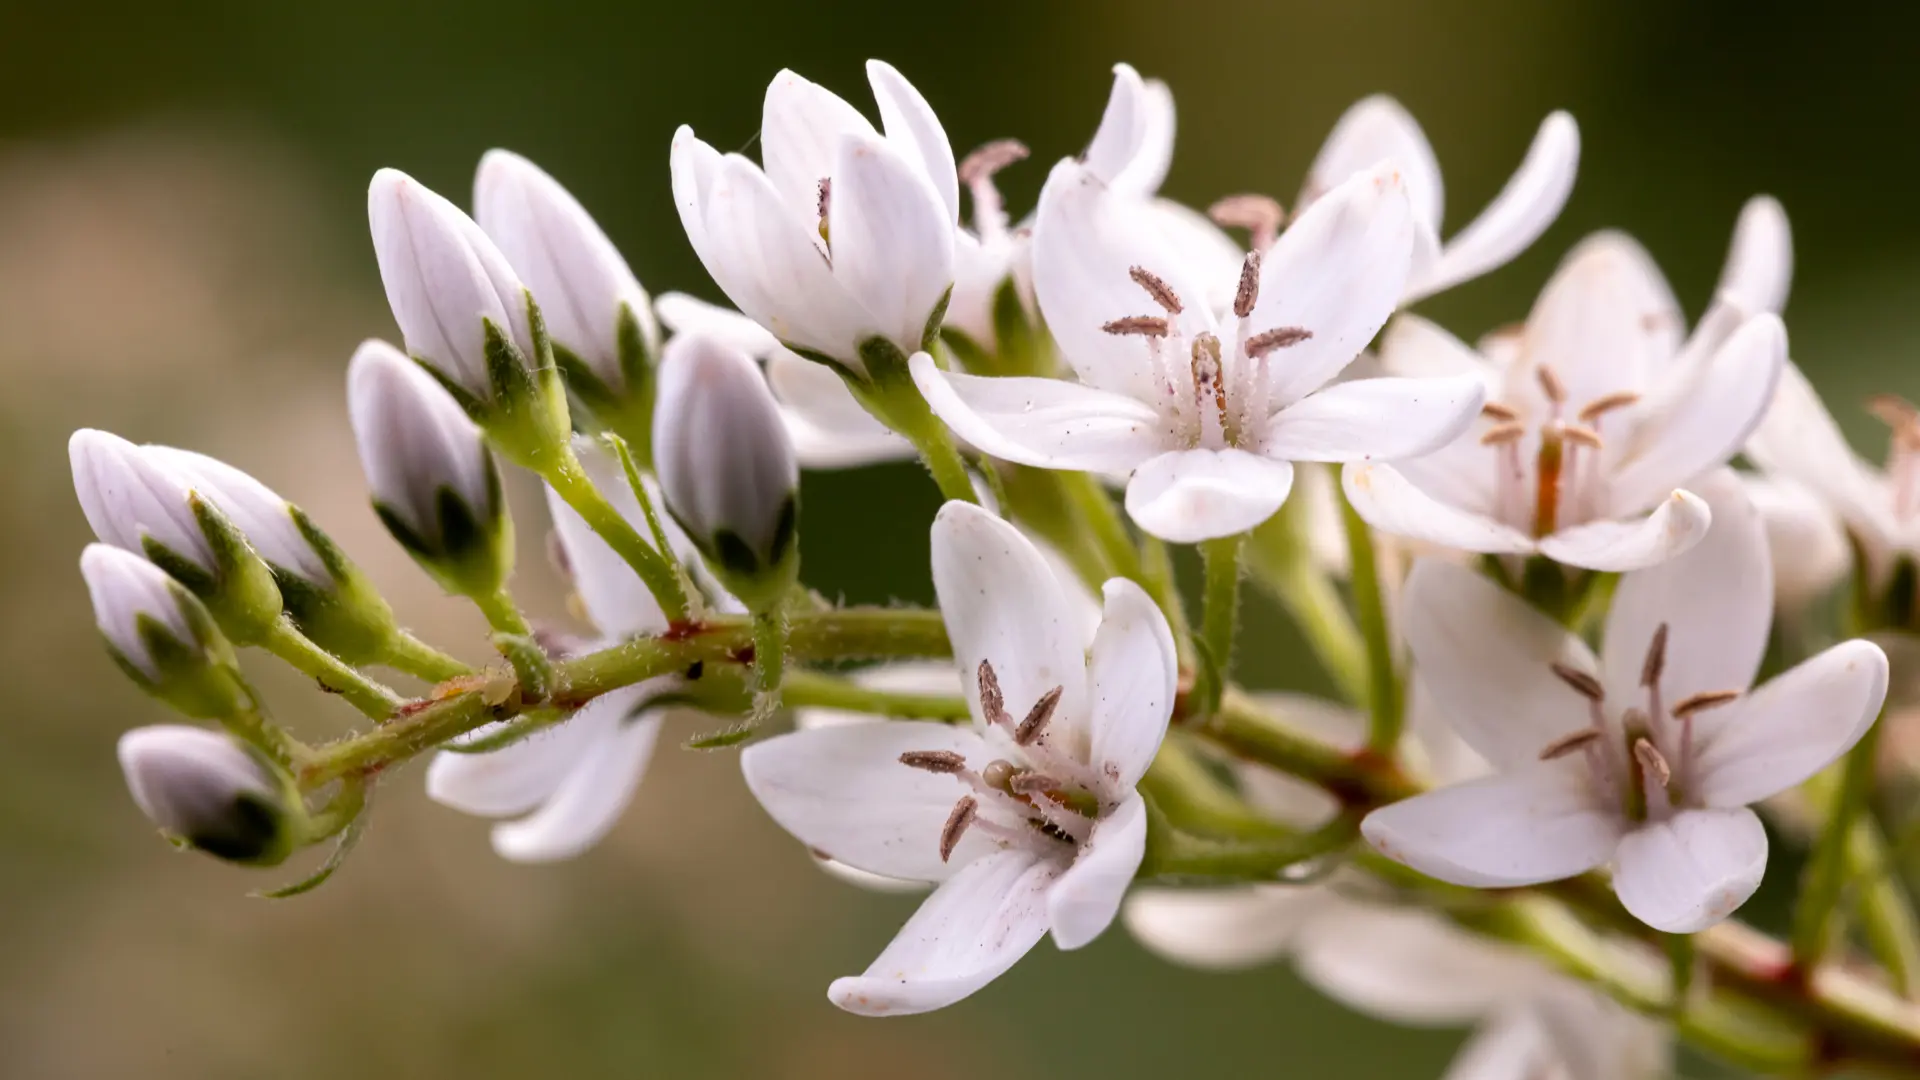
1212	395
1903	454
1034	802
1563	487
1646	753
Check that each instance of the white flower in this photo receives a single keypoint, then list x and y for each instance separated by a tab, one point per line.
133	499
445	281
418	448
1071	731
1207	409
1597	415
129	594
1647	758
1565	1032
208	790
845	235
569	784
582	284
262	516
1806	540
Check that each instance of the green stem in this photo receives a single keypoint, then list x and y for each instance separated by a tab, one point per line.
1197	802
1284	566
1157	577
769	660
409	654
515	640
567	477
1176	854
638	486
1220	619
888	392
1097	514
285	641
1886	912
804	689
1386	710
1817	913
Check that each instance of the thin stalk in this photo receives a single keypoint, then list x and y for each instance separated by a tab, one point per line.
569	479
1220	612
285	641
1817	915
658	534
769	660
1197	802
1283	565
1176	854
812	689
514	638
1385	707
1094	508
1156	569
409	654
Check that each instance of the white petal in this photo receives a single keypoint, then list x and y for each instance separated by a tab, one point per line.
1375	419
891	239
695	166
519	777
261	515
1373	130
1003	604
843	792
1485	656
801	125
975	926
862	879
1086	240
1153	141
1759	267
1049	423
1516	217
1724	404
1409	966
1337	272
588	802
617	602
1188	496
1512	1046
1603	321
1691	871
830	430
1117	139
1134	673
1212	259
1414	347
1222	929
1805	540
688	314
1675	525
1539	823
1713	600
1797	724
1386	500
912	126
1799	439
1082	903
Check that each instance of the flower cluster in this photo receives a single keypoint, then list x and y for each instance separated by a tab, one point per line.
1535	810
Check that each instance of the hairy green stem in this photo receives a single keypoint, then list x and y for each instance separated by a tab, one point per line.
769	661
284	640
803	689
1173	853
1220	612
569	479
1385	704
409	654
1817	915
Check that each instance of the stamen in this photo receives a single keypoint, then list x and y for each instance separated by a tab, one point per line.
1249	291
963	814
1706	699
1157	288
1570	742
1494	410
1600	406
1501	434
1579	433
999	775
1656	661
1649	758
1258	214
989	159
993	704
824	202
1033	783
1206	373
1894	411
1261	344
945	762
1583	684
1035	724
1137	325
1551	385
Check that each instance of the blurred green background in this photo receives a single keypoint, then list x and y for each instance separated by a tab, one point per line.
183	258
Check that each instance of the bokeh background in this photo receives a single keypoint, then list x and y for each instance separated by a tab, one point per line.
183	258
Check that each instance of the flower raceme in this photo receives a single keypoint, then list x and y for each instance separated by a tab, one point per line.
1207	409
1646	758
1028	819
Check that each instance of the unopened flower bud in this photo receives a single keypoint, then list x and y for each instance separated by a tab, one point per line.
161	636
210	792
727	467
141	503
599	319
434	484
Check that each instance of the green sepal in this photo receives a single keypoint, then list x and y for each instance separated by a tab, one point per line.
938	315
240	591
527	417
1024	348
349	618
725	737
261	830
760	583
473	552
199	678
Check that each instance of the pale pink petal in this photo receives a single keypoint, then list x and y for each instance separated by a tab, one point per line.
1188	496
1134	673
1222	929
912	125
1675	525
1759	267
1799	439
1117	140
1374	419
589	801
1603	321
1049	423
1373	130
682	314
1411	966
1692	870
892	242
1083	901
1388	501
1153	117
515	778
1805	539
830	430
1516	217
1542	822
1414	347
1786	731
801	125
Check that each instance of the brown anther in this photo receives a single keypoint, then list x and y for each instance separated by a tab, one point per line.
1258	214
1035	724
993	704
963	814
1138	326
1494	410
934	761
1568	743
1583	683
990	159
1581	434
1551	385
825	187
1501	434
1649	758
1606	403
1273	340
1157	288
1033	783
1245	296
1656	661
1706	699
1893	410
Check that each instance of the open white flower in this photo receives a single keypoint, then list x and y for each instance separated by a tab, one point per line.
1806	539
1597	416
566	786
1028	819
845	234
1646	758
1207	409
